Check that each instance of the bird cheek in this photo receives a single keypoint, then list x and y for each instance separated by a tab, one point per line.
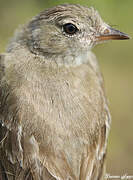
86	41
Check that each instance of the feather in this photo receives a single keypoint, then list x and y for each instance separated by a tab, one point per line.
54	117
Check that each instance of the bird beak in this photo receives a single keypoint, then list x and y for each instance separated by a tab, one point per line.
111	34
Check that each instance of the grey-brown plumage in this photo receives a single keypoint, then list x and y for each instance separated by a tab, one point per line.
54	118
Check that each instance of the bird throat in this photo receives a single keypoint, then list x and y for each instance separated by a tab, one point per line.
73	60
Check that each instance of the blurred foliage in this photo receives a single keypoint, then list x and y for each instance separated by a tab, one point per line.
116	60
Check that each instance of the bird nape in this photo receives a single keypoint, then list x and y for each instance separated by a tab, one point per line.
54	116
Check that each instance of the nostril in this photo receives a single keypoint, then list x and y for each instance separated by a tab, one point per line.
106	31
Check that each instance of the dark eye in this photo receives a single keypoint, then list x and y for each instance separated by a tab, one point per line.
70	28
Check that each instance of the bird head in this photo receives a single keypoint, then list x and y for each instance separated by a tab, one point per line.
69	30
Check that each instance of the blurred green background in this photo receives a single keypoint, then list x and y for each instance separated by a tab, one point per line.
116	61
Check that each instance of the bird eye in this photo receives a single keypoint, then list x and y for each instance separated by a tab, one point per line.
70	28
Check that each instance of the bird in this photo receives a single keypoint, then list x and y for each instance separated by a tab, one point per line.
54	115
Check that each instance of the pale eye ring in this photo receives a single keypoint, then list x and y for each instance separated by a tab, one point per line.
70	28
